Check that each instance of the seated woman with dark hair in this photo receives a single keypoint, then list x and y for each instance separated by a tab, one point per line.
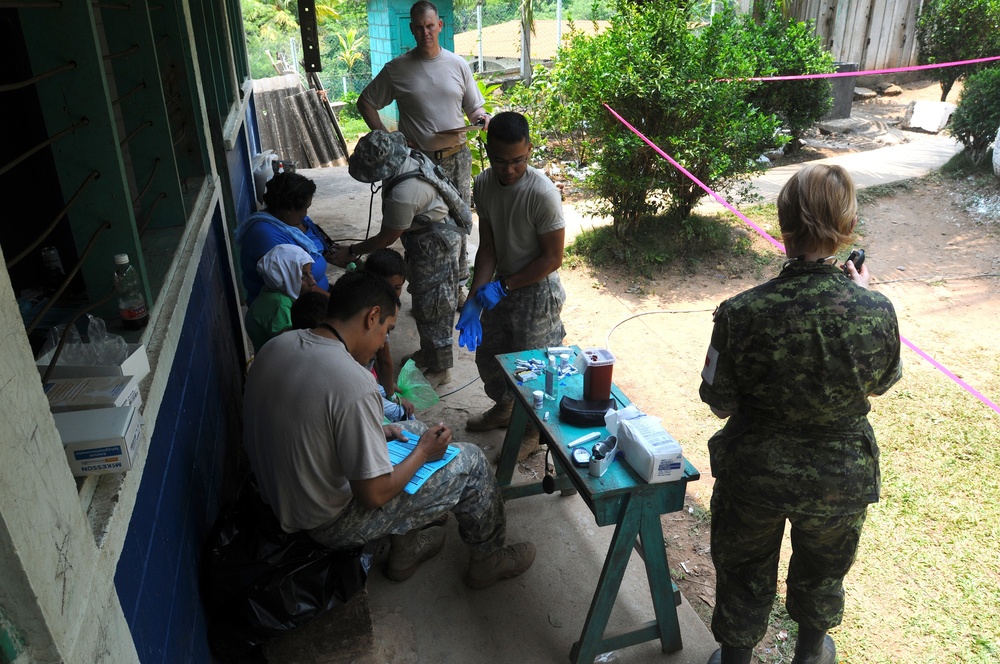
284	221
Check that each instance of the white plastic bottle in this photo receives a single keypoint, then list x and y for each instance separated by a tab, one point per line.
131	302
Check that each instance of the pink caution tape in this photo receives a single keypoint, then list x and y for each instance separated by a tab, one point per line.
698	182
943	369
968	388
870	72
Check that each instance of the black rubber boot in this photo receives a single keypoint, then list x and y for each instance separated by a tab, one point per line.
814	647
727	655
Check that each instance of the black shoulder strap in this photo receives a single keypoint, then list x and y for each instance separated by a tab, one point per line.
391	183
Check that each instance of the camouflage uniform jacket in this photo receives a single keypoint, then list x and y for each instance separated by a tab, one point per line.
795	360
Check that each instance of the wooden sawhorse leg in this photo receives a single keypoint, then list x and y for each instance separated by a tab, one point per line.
639	518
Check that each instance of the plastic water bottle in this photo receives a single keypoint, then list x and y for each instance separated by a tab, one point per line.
131	302
552	379
54	273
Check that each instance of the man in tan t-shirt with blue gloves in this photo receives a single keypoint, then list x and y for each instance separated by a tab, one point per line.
516	286
432	88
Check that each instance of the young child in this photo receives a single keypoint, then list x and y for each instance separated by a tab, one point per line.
287	273
309	310
388	264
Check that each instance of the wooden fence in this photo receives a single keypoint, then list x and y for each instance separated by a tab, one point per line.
876	34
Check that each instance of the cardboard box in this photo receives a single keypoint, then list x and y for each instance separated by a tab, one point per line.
100	441
647	447
97	392
135	364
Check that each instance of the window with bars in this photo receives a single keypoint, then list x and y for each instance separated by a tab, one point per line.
115	115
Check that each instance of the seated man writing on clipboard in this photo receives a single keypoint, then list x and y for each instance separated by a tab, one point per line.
314	438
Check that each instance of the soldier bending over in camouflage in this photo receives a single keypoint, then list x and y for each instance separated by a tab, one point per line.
423	207
791	365
314	437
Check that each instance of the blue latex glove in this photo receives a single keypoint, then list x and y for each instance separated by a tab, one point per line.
489	295
469	327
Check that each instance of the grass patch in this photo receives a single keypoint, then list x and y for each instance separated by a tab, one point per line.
961	165
352	128
926	583
658	241
929	556
871	194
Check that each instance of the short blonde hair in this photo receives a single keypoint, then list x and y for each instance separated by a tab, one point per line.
816	209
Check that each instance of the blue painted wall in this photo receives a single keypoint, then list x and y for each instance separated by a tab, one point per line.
240	168
196	436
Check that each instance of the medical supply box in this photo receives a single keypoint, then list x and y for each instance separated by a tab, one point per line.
650	450
95	392
101	440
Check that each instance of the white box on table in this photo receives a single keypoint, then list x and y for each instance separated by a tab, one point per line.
648	448
94	392
99	441
136	364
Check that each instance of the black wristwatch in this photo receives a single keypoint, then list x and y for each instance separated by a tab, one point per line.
504	286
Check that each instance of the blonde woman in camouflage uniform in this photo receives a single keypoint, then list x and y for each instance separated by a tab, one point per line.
792	364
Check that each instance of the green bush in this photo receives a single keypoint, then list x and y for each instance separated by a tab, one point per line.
550	117
663	77
350	111
954	30
786	48
976	121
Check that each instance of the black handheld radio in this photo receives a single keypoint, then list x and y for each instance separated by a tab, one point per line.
858	258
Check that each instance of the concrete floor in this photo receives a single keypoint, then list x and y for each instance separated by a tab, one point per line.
536	617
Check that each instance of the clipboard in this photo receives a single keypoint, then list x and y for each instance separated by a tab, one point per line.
461	130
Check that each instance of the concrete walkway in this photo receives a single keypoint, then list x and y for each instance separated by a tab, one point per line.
869	169
535	618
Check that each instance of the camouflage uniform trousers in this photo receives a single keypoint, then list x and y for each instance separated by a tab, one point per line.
746	542
458	169
528	318
432	273
465	486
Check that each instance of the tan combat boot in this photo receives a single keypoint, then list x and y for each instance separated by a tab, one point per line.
497	417
411	549
508	562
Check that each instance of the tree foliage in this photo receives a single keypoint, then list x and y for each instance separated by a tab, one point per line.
270	25
785	48
977	119
955	30
666	79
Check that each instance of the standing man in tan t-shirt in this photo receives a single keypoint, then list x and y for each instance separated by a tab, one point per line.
432	87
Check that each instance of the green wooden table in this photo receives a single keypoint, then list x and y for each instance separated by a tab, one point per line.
620	498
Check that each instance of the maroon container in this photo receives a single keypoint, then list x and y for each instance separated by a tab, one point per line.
599	364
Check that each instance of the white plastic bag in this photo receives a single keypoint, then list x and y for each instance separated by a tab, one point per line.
262	172
103	348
